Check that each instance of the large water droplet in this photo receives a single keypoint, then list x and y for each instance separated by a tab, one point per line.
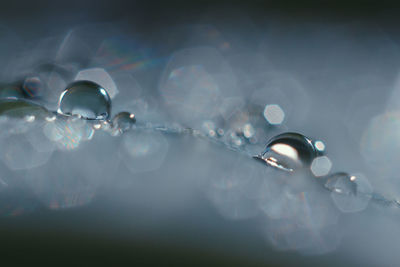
85	99
123	121
350	193
289	151
18	108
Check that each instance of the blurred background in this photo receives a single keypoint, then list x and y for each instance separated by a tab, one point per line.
328	69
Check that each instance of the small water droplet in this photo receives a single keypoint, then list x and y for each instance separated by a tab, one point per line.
341	183
51	118
209	128
248	131
29	118
123	121
32	87
350	193
97	126
319	146
288	151
85	99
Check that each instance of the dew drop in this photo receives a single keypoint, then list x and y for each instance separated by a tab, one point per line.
288	152
32	87
85	99
123	121
350	193
341	183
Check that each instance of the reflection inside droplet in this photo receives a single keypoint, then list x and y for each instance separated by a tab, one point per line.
85	99
288	151
321	166
123	121
342	183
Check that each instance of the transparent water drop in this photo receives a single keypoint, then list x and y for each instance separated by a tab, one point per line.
123	121
319	146
85	99
288	152
350	193
341	183
18	108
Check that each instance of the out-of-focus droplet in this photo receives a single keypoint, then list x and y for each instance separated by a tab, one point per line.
248	131
123	121
321	166
143	151
18	108
289	151
85	99
341	183
274	114
32	87
350	193
319	146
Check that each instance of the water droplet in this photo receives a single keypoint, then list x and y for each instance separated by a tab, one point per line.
123	122
289	151
350	193
85	99
319	146
341	183
209	128
274	114
18	108
321	166
32	87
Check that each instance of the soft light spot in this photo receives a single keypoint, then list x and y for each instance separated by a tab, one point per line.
321	166
274	114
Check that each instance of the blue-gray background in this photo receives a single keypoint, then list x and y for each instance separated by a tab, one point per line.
344	53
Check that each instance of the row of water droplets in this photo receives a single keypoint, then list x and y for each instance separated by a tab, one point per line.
88	102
